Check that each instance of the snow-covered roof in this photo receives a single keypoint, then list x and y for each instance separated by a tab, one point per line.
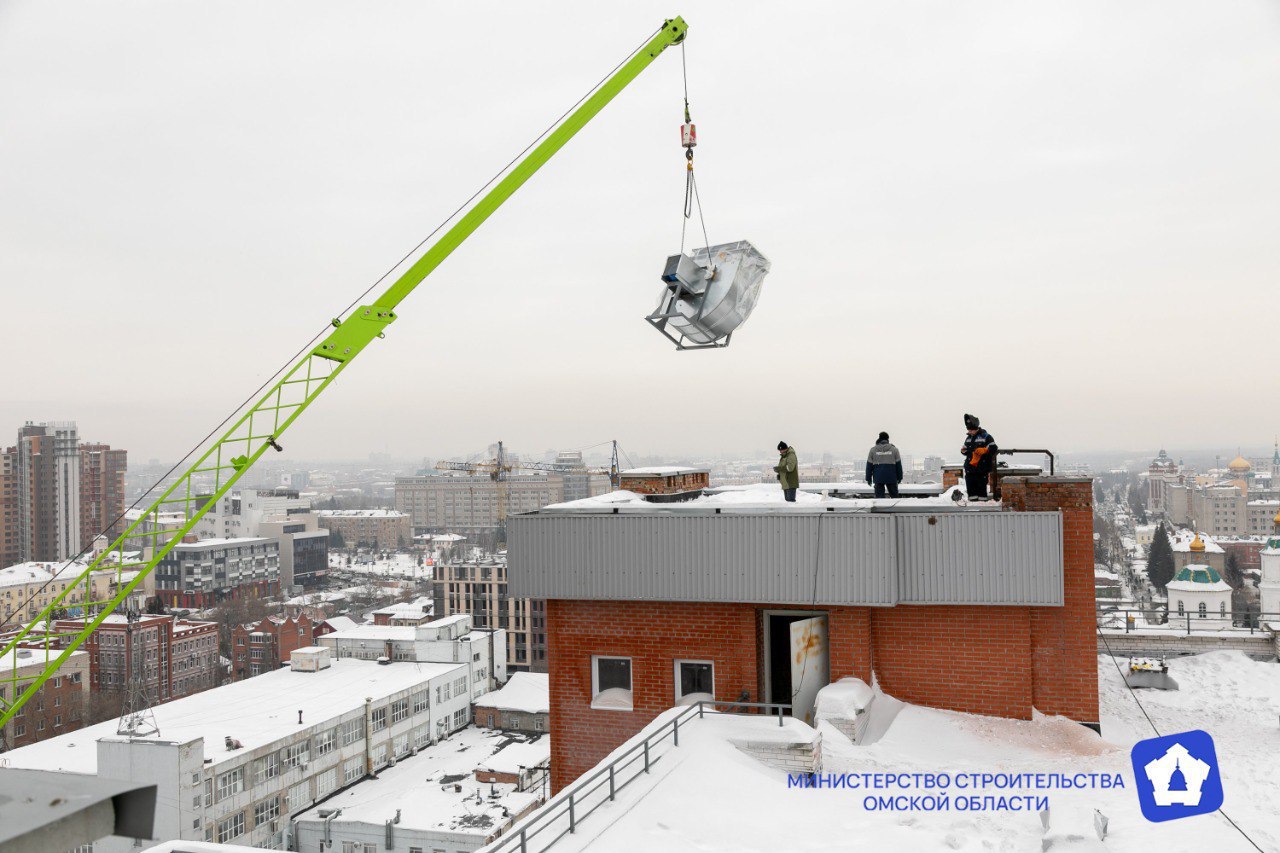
662	471
525	691
362	513
22	574
256	711
421	788
341	623
766	497
400	633
1182	539
217	542
35	658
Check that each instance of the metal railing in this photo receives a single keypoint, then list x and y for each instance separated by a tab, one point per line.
564	812
1137	619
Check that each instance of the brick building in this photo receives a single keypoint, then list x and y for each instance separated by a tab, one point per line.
177	657
57	707
267	646
385	529
665	484
985	608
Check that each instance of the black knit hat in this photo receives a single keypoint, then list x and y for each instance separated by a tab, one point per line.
884	436
782	445
970	421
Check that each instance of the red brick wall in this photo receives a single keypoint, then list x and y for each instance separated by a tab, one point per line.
653	635
963	658
1064	639
673	484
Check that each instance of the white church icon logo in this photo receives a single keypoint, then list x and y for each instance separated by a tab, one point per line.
1176	777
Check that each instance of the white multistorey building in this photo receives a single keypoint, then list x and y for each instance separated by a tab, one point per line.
232	765
450	640
1269	586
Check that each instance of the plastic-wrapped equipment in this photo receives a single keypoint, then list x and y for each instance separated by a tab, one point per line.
708	294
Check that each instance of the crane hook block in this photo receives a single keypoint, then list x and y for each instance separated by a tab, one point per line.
688	135
354	334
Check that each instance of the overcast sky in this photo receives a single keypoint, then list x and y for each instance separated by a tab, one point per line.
1060	216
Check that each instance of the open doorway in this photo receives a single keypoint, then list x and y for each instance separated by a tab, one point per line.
796	658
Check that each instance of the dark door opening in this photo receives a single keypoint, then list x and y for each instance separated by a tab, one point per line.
796	660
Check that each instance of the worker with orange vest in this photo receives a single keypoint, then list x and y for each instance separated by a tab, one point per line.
979	457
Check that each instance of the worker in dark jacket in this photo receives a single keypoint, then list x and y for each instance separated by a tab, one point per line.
884	466
979	457
788	471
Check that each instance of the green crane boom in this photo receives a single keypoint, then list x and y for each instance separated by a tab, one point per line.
80	606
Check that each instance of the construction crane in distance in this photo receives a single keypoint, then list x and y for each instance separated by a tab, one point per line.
501	465
258	426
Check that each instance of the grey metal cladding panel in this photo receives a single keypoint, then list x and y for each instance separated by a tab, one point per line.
740	558
981	558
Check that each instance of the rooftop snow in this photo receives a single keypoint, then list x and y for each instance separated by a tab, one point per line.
1182	539
36	572
256	711
662	471
525	691
415	786
765	497
707	795
361	513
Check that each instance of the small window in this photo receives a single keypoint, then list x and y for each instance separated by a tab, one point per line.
1203	610
1222	608
695	681
611	683
1180	610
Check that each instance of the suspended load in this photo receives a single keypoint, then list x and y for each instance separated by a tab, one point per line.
708	294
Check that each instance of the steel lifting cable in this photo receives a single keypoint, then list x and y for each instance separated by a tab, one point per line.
689	139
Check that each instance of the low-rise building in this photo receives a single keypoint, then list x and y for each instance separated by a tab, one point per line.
27	588
232	765
58	707
455	796
269	644
448	640
416	612
523	704
1199	594
385	529
206	572
1192	548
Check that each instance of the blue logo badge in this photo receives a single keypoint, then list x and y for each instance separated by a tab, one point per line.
1177	775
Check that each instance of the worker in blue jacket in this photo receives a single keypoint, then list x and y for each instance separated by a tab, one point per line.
884	467
979	451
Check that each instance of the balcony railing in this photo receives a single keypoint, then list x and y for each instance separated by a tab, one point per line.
1158	618
568	809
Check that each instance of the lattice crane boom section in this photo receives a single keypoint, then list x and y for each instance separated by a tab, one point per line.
97	589
92	592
